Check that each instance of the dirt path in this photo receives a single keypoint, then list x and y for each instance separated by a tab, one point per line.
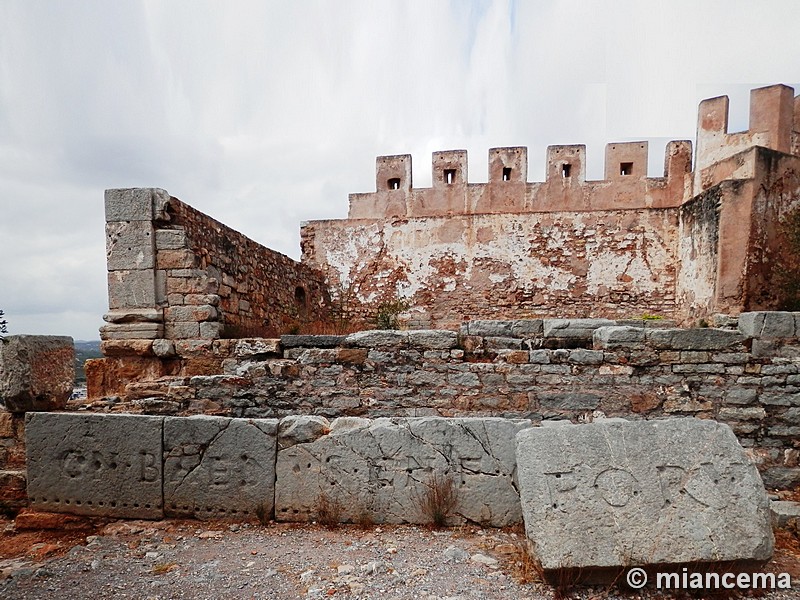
199	560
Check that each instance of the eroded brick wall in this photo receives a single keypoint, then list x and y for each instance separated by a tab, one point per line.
617	264
217	275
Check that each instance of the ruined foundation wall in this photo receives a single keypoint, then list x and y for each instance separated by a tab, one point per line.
617	264
532	369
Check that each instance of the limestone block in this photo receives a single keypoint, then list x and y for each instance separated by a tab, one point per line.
141	315
131	331
378	338
218	467
211	330
601	497
527	328
301	429
573	328
130	245
381	471
91	464
256	347
694	339
484	328
132	204
170	239
131	289
764	324
784	511
135	347
611	337
433	339
37	372
312	341
164	348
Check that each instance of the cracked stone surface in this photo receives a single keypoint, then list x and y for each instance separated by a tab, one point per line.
379	470
603	496
219	467
102	465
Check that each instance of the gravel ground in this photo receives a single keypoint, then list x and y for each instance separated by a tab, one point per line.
198	560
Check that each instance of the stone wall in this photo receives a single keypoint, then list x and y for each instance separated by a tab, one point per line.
618	264
37	373
176	273
533	369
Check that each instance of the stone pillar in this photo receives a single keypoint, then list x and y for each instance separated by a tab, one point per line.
135	290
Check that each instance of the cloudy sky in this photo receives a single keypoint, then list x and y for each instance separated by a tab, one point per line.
267	113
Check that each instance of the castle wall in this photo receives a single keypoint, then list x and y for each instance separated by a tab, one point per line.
451	269
176	273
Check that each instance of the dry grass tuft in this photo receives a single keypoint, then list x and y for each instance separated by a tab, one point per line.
263	513
163	567
439	499
329	511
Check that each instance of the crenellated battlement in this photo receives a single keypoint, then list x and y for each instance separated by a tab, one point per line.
774	124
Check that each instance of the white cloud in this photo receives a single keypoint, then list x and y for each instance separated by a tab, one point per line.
264	114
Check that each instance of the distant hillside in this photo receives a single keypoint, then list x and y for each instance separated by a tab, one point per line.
83	351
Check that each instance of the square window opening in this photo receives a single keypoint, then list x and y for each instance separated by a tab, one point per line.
566	169
449	176
506	173
625	168
394	183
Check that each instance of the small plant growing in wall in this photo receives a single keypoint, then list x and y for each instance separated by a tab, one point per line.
388	313
438	499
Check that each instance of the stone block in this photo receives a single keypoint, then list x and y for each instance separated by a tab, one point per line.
141	315
527	328
431	339
781	478
573	328
257	347
134	204
378	338
602	497
487	328
37	372
312	341
767	324
131	289
170	239
91	464
784	511
301	429
131	331
130	245
694	339
383	470
182	331
132	347
216	467
211	330
164	348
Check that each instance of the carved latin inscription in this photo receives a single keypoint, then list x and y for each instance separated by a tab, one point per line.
108	465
